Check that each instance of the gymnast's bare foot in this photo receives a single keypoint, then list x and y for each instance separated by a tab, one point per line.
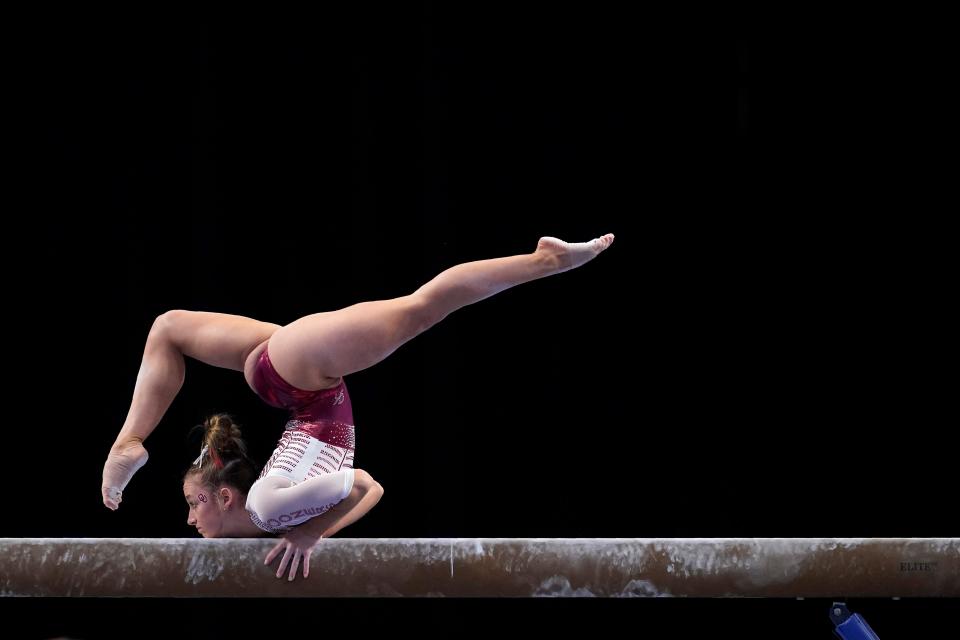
570	255
122	462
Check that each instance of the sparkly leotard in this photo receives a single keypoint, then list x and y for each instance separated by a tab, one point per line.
318	440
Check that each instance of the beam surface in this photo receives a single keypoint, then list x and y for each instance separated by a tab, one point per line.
486	567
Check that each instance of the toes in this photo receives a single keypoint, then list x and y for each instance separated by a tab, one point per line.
601	243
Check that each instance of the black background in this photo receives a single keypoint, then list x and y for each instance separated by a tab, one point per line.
762	352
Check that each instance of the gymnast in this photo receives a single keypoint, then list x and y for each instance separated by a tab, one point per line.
309	488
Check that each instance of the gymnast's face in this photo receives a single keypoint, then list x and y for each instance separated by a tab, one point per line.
205	513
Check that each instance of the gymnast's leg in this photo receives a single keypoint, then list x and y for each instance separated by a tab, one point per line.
218	339
313	352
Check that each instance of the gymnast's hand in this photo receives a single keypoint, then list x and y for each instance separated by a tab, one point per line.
298	542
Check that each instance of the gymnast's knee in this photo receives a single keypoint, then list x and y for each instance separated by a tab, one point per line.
425	310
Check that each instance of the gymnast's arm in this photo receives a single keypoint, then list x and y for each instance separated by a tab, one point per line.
364	495
300	541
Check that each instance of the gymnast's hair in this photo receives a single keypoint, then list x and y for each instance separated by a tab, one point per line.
223	458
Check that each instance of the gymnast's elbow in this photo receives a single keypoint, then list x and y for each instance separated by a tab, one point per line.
365	482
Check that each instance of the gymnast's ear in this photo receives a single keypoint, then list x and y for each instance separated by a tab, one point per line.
228	495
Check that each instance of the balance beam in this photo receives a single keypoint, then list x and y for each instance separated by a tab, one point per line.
486	567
